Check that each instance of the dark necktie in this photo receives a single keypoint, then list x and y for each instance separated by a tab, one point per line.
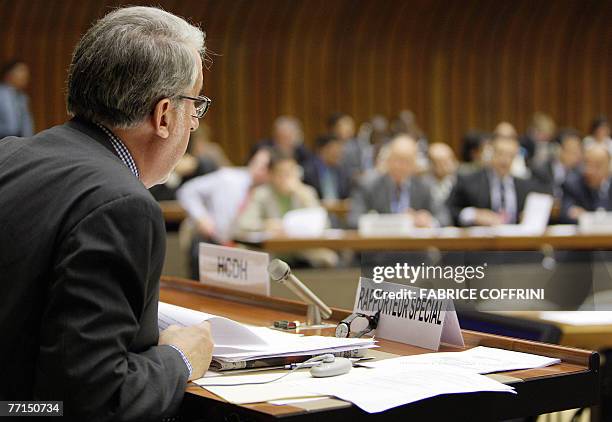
502	196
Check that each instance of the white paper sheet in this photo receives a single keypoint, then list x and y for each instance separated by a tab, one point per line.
373	390
479	360
376	390
305	222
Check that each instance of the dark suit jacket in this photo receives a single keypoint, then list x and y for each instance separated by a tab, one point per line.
312	178
577	193
81	251
375	193
472	190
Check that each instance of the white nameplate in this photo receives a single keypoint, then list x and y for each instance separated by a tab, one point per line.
392	225
234	268
408	316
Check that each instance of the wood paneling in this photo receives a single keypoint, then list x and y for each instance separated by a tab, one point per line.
457	65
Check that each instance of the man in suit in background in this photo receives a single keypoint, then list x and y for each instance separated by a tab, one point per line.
15	117
397	190
491	196
441	178
590	189
565	160
324	172
83	242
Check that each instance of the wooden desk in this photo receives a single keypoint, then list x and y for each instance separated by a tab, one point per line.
172	211
350	239
571	384
595	337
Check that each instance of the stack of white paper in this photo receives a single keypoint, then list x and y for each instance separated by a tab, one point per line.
236	342
373	390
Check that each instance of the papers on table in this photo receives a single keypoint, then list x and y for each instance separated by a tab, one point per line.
237	342
305	222
381	385
373	390
228	335
579	317
377	390
479	360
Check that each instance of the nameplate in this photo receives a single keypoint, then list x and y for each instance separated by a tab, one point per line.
234	268
409	315
598	222
385	225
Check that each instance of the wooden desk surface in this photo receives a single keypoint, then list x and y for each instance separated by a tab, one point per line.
579	368
350	239
173	212
594	336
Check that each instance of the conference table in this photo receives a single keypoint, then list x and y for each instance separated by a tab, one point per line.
571	384
460	240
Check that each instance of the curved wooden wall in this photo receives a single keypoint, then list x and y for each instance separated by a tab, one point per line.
457	64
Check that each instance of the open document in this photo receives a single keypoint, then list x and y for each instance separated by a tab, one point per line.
235	342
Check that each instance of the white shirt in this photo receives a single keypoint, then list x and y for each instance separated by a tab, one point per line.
217	195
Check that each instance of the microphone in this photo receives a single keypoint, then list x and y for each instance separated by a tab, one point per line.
281	273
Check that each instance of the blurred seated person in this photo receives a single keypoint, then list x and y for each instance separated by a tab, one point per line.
269	202
203	146
519	165
537	142
441	178
396	190
195	162
15	117
491	196
599	134
475	151
324	172
588	190
287	138
565	159
406	123
341	126
361	152
213	201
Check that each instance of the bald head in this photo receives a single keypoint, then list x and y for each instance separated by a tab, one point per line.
505	130
401	161
596	165
442	160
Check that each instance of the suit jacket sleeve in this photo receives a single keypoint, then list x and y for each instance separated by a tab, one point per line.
101	302
458	199
359	205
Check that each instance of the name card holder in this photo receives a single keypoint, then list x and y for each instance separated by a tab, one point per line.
234	268
409	315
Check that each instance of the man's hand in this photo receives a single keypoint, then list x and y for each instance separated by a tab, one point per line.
486	217
195	342
574	212
206	227
423	218
274	226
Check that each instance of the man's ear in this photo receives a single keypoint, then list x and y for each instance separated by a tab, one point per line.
161	118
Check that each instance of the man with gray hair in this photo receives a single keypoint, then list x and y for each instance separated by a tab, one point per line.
82	240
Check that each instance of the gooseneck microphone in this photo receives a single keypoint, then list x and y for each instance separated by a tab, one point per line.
281	273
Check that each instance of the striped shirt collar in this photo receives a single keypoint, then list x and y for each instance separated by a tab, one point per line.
121	149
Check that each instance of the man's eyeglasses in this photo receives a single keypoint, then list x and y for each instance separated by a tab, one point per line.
201	103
